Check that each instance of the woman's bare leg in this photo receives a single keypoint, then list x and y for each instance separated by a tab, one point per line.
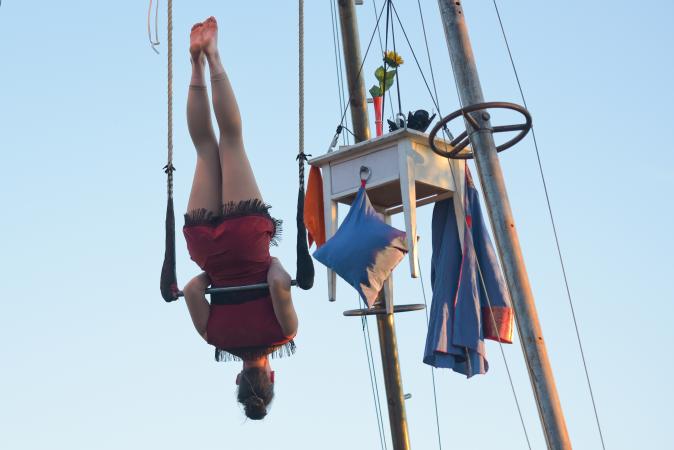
238	180
206	186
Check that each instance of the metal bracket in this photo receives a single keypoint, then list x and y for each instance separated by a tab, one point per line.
365	174
382	310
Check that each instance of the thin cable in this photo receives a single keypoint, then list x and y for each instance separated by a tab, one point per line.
512	386
434	99
505	360
554	229
340	58
383	100
393	38
334	47
376	383
484	288
381	45
362	63
445	130
338	63
435	396
373	378
517	326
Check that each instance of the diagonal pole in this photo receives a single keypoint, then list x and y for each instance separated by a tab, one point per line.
503	226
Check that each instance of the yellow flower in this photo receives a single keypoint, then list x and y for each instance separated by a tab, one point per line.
393	59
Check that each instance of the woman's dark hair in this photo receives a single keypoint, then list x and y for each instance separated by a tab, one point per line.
256	391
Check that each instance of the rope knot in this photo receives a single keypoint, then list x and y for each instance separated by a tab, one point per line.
169	168
302	157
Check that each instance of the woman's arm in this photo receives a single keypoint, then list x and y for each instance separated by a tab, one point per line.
198	306
279	288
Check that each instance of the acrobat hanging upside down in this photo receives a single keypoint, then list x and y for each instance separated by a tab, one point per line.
228	230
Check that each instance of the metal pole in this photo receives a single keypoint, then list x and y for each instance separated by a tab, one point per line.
385	323
503	225
354	75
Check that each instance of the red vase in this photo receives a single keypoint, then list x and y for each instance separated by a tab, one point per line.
378	114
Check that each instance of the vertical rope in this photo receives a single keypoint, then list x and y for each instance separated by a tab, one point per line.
168	283
301	86
305	266
169	163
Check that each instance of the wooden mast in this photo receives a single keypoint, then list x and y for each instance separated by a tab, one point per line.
385	322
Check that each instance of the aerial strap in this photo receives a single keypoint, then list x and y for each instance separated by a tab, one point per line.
168	283
305	265
153	42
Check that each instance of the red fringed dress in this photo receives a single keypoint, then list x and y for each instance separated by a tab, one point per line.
232	247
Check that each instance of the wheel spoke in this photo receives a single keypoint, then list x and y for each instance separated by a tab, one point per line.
471	120
458	139
506	128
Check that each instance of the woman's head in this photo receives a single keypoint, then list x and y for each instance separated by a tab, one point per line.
256	391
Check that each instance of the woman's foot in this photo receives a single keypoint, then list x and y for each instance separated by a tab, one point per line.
209	37
196	42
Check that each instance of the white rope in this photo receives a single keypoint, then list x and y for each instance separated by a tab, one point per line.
301	77
169	163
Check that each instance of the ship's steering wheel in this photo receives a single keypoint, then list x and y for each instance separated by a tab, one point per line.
478	124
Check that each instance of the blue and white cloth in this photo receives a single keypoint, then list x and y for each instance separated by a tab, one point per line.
470	298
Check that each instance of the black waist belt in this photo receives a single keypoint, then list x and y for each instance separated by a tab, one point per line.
236	298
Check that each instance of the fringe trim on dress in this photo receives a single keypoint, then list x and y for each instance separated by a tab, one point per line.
239	354
230	210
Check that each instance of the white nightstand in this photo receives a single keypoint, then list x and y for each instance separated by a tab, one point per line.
405	173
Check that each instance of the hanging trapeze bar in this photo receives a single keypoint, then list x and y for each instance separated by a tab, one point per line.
462	140
249	287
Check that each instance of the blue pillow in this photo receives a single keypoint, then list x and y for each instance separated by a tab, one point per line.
364	250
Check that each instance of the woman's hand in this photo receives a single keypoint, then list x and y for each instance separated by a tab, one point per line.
197	285
277	277
279	288
195	298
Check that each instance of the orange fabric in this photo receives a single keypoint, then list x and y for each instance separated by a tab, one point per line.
314	219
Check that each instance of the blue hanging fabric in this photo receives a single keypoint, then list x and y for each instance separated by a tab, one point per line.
364	250
461	317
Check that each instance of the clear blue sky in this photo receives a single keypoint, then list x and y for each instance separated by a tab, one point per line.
92	358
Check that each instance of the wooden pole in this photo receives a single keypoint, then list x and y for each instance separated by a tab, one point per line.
503	226
354	75
395	398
